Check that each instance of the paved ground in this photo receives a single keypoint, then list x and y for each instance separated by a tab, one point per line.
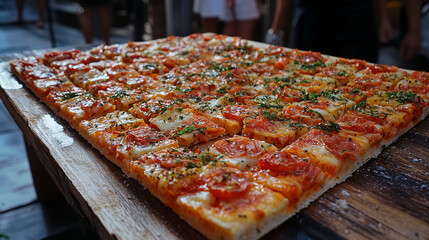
18	38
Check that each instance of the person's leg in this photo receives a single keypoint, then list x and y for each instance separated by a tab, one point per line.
105	22
19	7
40	12
246	28
86	23
230	28
210	25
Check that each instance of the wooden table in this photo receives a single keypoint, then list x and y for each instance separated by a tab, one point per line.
387	198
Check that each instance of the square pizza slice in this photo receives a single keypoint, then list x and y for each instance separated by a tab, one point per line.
122	147
240	152
293	177
83	107
270	128
187	127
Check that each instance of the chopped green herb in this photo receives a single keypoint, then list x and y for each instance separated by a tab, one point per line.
268	102
222	90
271	116
343	73
305	81
354	91
314	112
191	165
189	129
119	94
312	66
70	95
225	176
297	125
308	96
360	106
329	126
403	96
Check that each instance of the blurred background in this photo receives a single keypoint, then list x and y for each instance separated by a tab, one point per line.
396	32
36	24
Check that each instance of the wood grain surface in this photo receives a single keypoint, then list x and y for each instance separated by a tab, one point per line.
387	198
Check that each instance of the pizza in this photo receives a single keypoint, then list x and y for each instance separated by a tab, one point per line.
234	137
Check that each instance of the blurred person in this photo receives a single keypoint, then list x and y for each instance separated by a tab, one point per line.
210	12
408	49
240	18
40	4
425	31
86	16
411	30
275	34
182	18
344	28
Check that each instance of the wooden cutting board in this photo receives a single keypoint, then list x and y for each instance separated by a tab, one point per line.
387	198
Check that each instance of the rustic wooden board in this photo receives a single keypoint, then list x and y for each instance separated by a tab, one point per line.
387	198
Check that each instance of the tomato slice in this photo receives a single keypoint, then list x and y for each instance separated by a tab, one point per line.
239	147
260	123
274	50
304	115
29	62
237	112
421	76
235	76
41	73
266	68
368	82
281	63
282	162
76	68
118	70
169	63
89	59
58	56
353	93
379	68
171	158
339	74
307	57
320	104
357	124
358	64
424	89
341	146
144	136
226	183
241	94
92	107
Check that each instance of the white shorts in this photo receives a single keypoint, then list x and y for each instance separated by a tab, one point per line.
243	10
209	8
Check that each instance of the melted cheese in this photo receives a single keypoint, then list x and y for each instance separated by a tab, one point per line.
138	151
170	119
197	200
244	162
84	79
319	156
118	120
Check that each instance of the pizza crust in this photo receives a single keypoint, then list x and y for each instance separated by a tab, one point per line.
214	216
